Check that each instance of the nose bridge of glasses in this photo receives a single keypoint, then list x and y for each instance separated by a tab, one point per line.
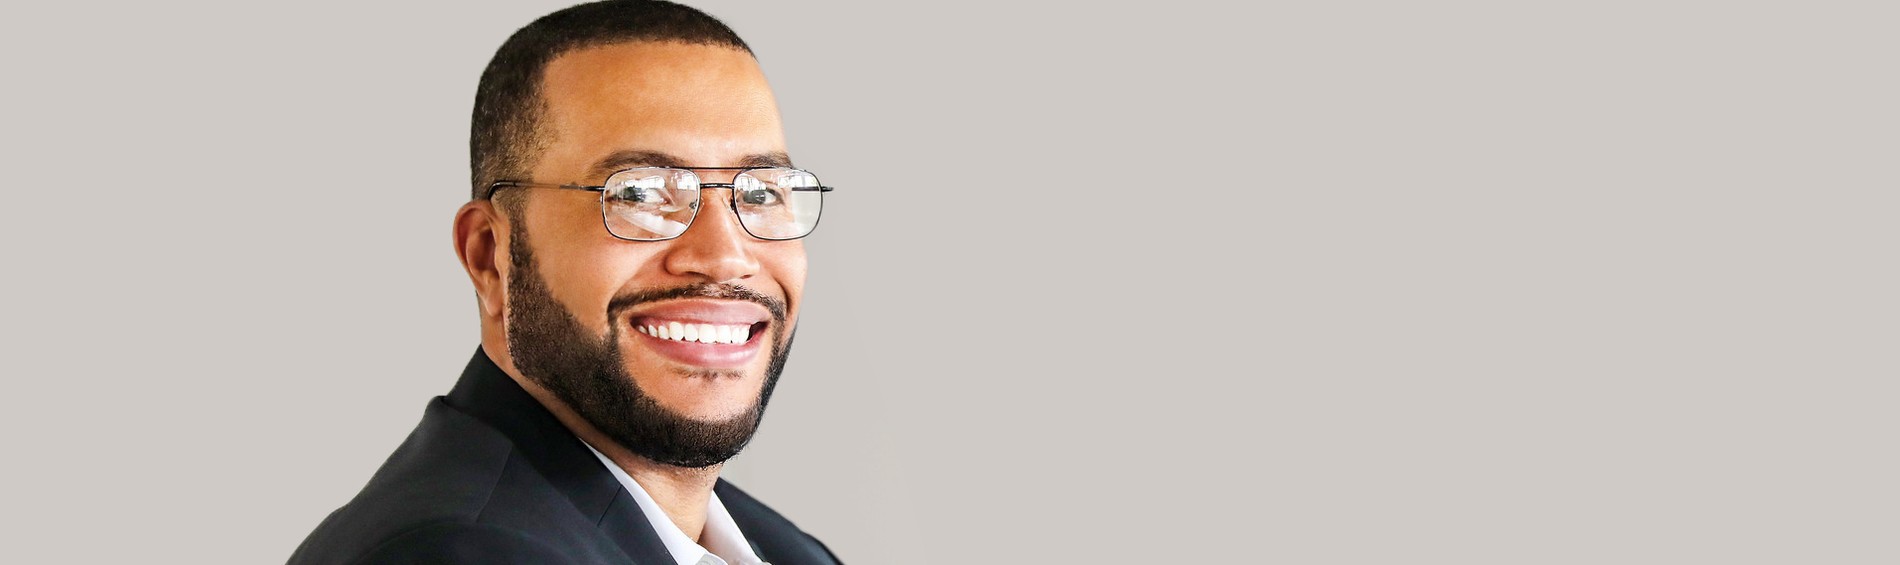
723	178
716	208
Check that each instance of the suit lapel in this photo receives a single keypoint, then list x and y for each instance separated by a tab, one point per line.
487	393
775	539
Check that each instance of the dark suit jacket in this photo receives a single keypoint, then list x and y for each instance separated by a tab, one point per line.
490	476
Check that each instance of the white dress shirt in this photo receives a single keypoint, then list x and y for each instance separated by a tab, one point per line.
723	544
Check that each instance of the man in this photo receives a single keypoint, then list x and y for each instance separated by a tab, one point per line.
633	240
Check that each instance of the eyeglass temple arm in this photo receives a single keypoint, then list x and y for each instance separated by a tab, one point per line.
498	185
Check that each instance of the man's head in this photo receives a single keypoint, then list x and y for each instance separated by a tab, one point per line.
573	309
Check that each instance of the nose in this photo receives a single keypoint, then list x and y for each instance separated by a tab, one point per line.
715	247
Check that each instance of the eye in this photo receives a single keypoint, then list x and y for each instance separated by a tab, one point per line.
642	190
643	195
760	197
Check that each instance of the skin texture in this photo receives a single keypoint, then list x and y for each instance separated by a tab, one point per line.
704	106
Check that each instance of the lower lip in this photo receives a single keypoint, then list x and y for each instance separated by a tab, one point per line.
709	355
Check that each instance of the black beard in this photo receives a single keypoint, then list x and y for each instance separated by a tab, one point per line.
551	347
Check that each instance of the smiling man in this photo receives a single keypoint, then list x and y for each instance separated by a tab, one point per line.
633	239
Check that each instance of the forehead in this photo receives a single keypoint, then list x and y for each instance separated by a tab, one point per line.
707	105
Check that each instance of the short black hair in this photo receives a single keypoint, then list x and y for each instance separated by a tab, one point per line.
507	133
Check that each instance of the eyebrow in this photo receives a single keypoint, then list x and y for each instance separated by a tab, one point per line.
629	158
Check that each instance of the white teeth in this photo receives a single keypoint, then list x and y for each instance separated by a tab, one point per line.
701	333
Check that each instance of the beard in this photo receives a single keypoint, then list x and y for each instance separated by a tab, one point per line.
551	347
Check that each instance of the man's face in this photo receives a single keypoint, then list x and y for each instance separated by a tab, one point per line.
577	295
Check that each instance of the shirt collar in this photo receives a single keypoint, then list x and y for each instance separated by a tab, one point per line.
724	544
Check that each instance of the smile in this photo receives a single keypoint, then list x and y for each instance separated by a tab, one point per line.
697	332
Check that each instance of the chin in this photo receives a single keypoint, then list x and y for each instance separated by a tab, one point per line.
701	410
707	398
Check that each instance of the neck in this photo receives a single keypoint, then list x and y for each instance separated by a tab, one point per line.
682	492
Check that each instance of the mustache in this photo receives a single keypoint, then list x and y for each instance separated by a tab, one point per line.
621	302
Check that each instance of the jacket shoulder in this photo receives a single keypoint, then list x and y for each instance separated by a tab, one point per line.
464	543
439	482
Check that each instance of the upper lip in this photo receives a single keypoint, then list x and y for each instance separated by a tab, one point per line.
702	311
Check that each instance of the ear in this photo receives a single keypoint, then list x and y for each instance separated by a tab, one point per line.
480	243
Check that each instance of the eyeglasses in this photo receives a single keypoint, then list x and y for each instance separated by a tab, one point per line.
658	203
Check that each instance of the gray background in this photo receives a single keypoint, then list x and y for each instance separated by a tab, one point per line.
1342	282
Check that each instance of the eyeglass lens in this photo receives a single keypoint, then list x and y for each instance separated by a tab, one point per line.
655	203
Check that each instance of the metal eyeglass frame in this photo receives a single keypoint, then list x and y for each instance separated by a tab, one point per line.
732	202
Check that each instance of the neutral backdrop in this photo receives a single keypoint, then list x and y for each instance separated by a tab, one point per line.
1342	282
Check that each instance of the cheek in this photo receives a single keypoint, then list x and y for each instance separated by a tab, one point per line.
611	272
786	263
585	274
